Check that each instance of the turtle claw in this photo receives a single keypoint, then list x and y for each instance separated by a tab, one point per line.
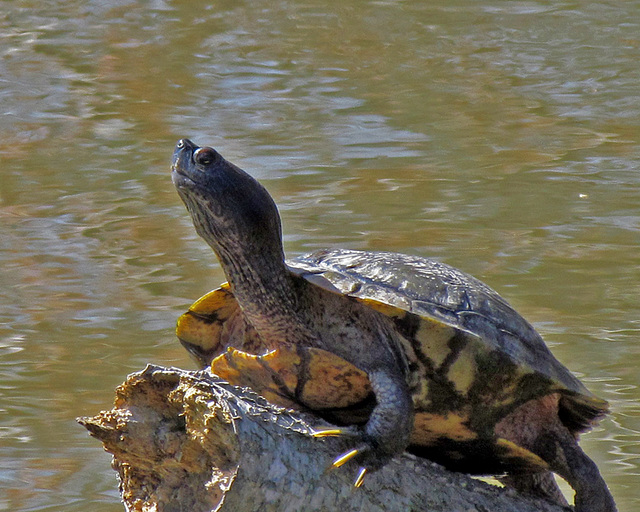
345	457
329	432
360	478
342	459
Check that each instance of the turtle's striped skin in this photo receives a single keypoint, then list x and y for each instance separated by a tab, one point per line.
422	356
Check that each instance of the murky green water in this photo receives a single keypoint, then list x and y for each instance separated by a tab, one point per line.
501	137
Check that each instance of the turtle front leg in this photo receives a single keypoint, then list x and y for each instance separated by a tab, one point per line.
388	430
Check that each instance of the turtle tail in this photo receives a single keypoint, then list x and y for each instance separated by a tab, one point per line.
580	413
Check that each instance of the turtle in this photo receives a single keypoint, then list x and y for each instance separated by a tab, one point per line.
399	352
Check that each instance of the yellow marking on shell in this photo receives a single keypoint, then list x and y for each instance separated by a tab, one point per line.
225	367
255	371
463	371
360	477
219	302
345	457
284	362
201	326
420	394
508	393
428	428
434	339
522	454
332	382
328	380
195	331
381	307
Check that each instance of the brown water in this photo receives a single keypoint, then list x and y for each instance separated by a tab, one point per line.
500	137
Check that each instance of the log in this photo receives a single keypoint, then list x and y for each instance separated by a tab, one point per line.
188	441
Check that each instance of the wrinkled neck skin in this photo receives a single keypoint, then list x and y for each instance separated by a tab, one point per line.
269	297
268	293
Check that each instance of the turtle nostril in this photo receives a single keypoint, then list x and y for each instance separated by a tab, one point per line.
185	143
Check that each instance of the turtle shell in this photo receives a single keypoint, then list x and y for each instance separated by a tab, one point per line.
473	358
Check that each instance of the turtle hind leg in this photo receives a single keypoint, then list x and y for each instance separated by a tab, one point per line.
540	485
572	464
537	427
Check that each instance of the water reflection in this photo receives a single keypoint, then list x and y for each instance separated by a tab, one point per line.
499	137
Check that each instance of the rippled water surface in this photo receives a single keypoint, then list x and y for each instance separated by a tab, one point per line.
499	137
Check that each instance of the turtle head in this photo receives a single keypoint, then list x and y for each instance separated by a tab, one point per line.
234	214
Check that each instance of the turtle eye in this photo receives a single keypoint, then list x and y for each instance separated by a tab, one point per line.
204	156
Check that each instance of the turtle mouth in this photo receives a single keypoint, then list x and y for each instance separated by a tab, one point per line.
182	172
181	179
